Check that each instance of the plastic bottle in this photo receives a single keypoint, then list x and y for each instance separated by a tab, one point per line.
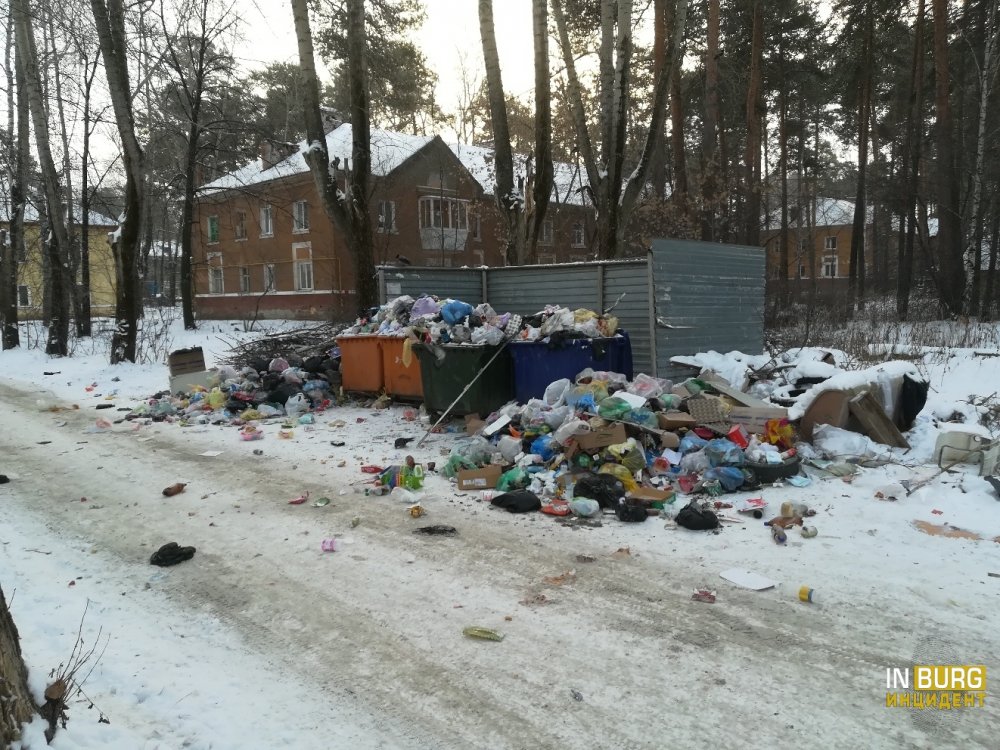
778	534
414	479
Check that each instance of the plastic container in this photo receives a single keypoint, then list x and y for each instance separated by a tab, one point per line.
400	381
445	379
537	363
806	594
361	363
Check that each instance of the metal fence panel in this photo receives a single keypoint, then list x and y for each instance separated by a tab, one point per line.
708	296
465	284
632	280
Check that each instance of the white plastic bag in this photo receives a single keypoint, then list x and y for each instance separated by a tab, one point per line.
555	393
296	405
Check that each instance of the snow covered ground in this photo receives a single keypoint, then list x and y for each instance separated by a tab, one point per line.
264	640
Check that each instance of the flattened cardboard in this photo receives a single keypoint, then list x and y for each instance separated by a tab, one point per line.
669	440
479	479
473	424
186	361
602	437
672	420
650	493
753	418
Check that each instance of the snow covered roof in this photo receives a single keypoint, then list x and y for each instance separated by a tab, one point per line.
389	151
31	215
479	160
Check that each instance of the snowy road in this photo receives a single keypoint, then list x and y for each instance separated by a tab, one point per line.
262	640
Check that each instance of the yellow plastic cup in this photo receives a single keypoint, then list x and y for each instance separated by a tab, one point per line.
806	594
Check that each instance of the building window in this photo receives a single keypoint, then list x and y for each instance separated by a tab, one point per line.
300	217
544	258
266	221
269	285
216	282
387	217
303	266
830	265
443	213
803	271
579	240
240	225
244	280
830	243
213	229
547	232
23	296
805	245
476	228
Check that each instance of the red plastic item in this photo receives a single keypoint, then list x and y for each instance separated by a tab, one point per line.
556	508
372	469
738	435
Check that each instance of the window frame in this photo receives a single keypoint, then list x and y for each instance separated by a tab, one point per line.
213	223
582	242
299	265
300	218
828	262
452	214
27	295
213	269
830	243
381	228
266	227
240	225
270	278
244	279
547	235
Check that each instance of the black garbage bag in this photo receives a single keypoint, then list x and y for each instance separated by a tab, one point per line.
694	518
518	501
630	512
604	488
170	554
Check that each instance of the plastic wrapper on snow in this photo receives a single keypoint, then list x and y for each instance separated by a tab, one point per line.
834	442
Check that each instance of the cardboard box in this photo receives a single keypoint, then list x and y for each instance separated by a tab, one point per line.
602	437
184	361
669	440
753	418
479	479
672	420
473	424
651	494
184	383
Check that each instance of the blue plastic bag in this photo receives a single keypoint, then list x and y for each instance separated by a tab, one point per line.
691	443
729	477
722	452
545	446
455	312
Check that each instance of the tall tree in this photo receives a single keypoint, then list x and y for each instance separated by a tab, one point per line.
197	64
951	272
109	17
543	178
348	210
614	196
16	138
754	125
710	126
16	703
56	244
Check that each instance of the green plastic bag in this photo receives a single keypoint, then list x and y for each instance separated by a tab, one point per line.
613	408
515	479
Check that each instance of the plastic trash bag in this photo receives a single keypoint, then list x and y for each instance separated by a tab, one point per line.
695	463
296	405
584	507
729	477
643	417
571	429
487	334
510	447
424	306
690	443
476	449
605	488
555	392
723	452
456	464
555	417
545	446
515	479
613	408
455	312
645	386
620	473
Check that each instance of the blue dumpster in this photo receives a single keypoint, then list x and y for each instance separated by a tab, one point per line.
538	363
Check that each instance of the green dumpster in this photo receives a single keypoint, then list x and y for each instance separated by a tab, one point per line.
448	368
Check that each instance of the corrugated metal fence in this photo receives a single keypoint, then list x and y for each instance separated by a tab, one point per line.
706	296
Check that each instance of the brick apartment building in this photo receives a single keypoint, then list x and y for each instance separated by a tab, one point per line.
264	246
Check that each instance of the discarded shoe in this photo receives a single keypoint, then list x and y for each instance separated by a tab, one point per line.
175	489
171	554
4	479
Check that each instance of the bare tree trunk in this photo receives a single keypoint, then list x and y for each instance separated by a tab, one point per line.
83	321
57	243
543	177
509	199
658	166
783	252
17	147
710	136
910	168
347	211
109	17
987	78
951	276
755	118
16	703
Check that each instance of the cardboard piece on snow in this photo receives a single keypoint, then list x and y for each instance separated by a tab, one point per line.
479	479
184	383
650	493
748	579
673	420
473	424
741	398
753	418
602	437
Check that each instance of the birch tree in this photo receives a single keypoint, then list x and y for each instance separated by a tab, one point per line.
347	209
16	139
109	17
614	196
56	244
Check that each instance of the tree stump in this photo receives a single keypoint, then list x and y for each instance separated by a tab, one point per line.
16	704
